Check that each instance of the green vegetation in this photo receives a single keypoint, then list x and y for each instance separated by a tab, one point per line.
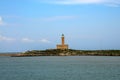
70	52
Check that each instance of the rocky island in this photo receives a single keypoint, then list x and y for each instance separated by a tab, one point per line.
68	52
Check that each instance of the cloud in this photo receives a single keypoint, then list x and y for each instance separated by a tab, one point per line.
27	40
69	2
4	38
12	16
4	23
1	21
78	1
53	18
112	5
44	41
57	18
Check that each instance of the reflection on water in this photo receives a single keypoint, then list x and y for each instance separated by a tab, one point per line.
60	68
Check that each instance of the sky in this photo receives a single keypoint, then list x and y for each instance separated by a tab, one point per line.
39	24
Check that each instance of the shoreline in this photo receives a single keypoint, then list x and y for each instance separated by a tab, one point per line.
56	55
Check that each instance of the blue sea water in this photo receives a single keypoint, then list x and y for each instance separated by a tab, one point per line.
60	68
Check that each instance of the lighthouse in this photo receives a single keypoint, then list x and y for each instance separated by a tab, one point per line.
62	46
62	39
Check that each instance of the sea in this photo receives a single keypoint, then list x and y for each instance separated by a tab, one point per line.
60	68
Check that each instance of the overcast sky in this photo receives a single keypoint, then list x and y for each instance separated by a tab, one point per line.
39	24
